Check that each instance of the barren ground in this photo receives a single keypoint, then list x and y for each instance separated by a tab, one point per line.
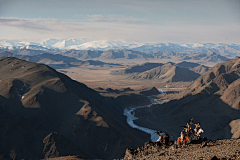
210	149
95	77
99	76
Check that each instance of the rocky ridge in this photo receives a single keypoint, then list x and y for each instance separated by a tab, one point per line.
197	68
164	73
168	72
204	149
213	99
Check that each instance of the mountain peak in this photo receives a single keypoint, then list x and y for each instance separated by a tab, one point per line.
213	53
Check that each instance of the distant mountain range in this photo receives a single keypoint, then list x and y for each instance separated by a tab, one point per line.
122	54
84	44
56	61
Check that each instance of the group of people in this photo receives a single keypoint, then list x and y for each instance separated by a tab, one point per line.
188	131
185	133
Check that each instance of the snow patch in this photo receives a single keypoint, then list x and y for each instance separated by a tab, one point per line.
60	45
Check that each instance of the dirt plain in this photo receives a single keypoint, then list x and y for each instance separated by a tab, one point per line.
99	76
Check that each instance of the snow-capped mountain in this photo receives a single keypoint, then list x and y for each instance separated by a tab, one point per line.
85	44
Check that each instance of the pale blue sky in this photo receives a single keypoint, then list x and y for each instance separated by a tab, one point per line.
177	21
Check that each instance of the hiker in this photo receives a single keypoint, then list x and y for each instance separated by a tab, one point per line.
191	121
187	128
166	138
182	135
160	139
197	127
182	139
190	132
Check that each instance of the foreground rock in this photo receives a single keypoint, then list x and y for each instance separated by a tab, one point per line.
67	158
206	149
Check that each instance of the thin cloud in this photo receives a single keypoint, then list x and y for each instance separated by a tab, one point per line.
118	19
52	28
33	24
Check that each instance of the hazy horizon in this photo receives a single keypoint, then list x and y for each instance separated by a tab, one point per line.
187	21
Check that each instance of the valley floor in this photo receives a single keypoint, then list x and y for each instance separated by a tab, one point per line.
95	77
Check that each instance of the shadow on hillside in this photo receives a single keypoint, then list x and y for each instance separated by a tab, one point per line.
213	114
23	129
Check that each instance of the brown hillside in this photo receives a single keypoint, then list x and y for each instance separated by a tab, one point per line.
200	69
197	68
52	100
137	68
169	72
212	100
218	78
231	95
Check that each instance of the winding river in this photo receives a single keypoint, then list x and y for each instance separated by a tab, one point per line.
129	113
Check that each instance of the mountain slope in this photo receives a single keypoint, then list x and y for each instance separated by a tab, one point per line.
213	99
137	68
24	139
200	69
210	57
218	78
48	98
197	68
169	72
